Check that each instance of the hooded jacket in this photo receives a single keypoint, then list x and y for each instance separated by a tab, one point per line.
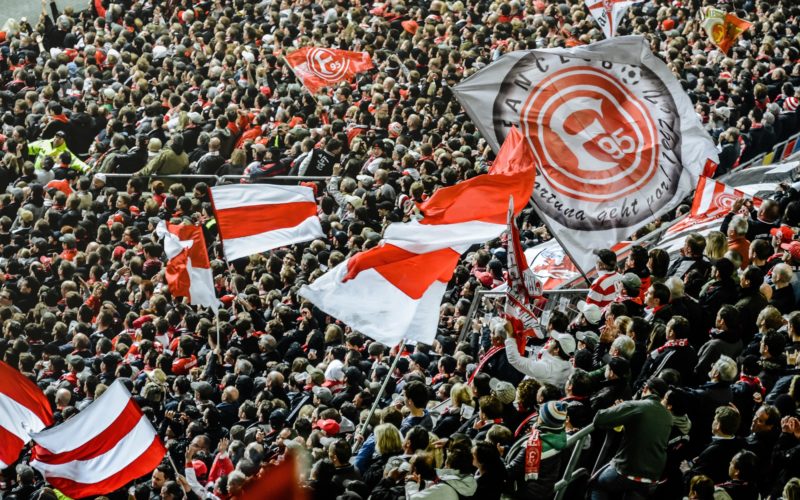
451	486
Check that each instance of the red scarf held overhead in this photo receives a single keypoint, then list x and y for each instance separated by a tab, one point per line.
533	456
673	343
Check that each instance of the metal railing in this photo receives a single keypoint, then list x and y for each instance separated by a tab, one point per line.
218	178
565	299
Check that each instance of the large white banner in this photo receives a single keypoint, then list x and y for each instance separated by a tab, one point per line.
615	138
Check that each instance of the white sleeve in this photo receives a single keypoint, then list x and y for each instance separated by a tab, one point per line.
197	488
530	367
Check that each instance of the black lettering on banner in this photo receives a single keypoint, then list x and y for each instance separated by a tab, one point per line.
550	198
659	193
513	104
522	82
564	60
539	64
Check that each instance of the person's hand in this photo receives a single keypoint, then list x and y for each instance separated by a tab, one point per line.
222	447
791	425
685	466
169	415
190	452
395	474
183	482
757	398
337	170
260	436
737	205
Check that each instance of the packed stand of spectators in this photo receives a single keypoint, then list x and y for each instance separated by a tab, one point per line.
686	367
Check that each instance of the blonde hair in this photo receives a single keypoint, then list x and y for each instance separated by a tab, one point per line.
388	440
716	245
461	394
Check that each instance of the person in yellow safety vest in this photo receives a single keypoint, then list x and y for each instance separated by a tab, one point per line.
53	148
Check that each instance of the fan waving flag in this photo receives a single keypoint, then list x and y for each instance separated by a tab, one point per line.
255	218
319	67
393	291
101	449
24	409
188	270
609	13
615	139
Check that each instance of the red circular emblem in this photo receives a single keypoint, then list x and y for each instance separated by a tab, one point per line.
725	200
592	138
326	64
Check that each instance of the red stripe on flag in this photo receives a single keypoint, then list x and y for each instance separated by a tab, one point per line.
139	466
10	446
789	148
482	198
250	221
19	388
409	272
98	445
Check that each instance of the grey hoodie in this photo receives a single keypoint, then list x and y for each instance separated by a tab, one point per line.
452	485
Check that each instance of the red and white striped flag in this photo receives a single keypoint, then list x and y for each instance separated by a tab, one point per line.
255	218
712	201
524	288
101	449
188	270
24	409
394	291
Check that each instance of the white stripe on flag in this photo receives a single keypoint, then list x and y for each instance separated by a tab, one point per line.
201	286
246	195
90	422
20	420
248	245
375	307
109	463
423	238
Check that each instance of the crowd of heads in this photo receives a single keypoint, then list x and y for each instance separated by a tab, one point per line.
98	105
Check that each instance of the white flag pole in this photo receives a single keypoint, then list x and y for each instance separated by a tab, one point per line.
378	397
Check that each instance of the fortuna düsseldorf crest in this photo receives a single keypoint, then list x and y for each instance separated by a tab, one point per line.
615	139
326	64
601	133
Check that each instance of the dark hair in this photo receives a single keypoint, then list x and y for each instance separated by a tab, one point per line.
661	292
679	401
418	438
417	392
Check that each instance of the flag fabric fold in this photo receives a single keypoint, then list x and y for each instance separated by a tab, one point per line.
24	409
393	291
104	447
319	67
255	218
188	270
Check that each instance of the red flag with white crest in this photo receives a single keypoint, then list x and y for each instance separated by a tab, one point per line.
318	67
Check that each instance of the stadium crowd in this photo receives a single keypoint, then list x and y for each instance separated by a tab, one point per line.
687	367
